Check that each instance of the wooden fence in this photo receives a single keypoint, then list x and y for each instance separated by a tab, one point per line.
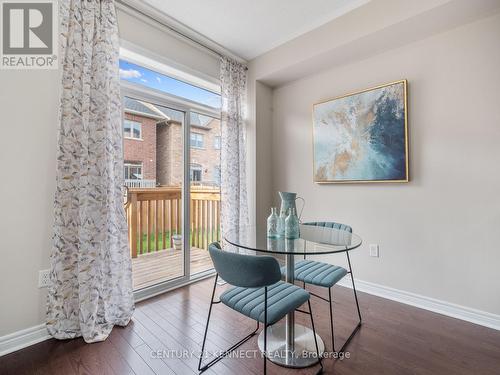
154	215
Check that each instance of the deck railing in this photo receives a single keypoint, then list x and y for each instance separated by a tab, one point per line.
154	215
140	183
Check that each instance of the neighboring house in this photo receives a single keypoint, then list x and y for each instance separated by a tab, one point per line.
153	146
205	150
139	133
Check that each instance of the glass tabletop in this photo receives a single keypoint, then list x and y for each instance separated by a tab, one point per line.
312	240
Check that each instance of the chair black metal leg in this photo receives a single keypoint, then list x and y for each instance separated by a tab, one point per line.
353	286
358	326
330	301
265	330
331	317
226	352
208	320
315	339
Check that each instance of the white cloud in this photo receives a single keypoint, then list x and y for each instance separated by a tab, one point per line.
158	79
144	80
129	73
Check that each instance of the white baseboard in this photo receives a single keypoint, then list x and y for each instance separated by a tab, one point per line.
468	314
30	336
22	339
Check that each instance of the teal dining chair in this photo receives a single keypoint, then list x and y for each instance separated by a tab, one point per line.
327	275
257	293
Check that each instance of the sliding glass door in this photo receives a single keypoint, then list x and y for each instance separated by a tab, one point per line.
172	178
153	160
205	188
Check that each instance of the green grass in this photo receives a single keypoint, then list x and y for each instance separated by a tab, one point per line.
167	244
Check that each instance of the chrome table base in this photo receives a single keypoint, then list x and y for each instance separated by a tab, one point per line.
302	354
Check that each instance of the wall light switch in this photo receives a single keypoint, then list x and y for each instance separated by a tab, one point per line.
374	250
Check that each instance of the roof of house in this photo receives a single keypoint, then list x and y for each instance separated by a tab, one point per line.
138	107
200	120
161	112
171	114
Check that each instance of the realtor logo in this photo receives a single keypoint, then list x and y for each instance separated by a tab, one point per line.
29	34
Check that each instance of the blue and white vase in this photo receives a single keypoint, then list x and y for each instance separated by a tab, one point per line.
281	224
292	225
272	224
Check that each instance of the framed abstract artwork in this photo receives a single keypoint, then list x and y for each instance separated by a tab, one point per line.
363	136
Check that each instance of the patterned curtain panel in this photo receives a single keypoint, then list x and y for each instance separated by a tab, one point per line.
234	209
91	274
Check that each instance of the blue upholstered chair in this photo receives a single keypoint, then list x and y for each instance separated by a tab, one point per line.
257	293
326	275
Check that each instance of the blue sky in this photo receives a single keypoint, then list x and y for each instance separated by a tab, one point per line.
149	78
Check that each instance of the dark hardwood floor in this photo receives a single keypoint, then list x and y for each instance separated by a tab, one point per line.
394	339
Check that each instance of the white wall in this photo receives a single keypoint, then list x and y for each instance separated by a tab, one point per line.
28	104
264	185
29	111
439	235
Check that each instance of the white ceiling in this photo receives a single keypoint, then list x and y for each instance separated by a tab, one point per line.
249	28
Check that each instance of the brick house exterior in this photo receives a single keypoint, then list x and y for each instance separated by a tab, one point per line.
142	151
169	152
208	157
159	150
169	145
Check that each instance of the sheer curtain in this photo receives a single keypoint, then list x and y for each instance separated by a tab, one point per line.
91	278
234	206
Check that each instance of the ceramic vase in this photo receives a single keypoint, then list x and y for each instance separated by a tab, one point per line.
292	225
281	225
272	224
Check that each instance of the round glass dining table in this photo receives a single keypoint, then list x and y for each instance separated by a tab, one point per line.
291	344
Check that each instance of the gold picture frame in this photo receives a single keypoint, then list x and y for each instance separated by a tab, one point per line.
345	165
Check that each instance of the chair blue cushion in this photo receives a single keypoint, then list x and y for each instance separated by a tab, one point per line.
330	224
281	299
317	273
246	271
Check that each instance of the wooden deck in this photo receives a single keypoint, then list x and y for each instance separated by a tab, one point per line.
163	265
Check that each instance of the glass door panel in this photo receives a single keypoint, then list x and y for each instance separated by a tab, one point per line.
154	172
204	173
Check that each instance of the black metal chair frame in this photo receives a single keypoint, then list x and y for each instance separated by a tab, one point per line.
330	302
249	336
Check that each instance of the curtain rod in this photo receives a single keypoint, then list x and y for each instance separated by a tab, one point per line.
174	30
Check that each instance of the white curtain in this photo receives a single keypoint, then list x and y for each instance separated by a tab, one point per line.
91	278
234	209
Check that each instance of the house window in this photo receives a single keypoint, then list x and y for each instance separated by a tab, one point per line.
132	129
217	142
196	140
133	171
195	173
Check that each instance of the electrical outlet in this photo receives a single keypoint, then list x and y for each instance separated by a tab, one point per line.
374	250
43	278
